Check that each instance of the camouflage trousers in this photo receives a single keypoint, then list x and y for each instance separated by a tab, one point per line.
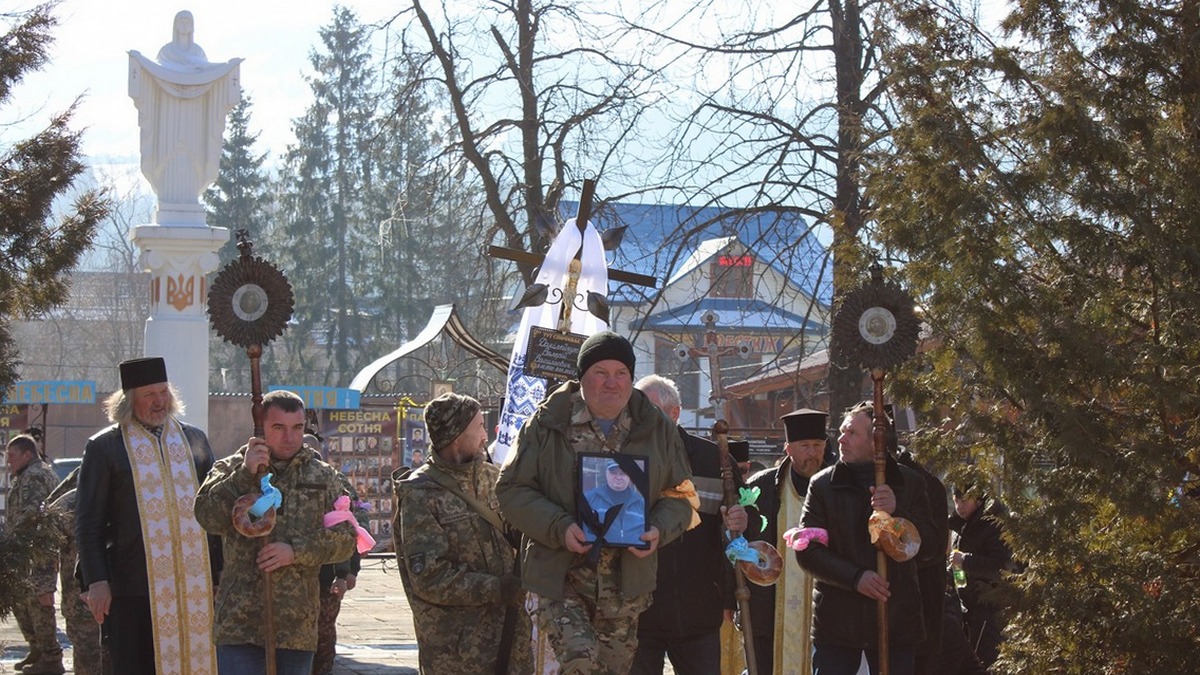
36	622
326	633
82	629
593	629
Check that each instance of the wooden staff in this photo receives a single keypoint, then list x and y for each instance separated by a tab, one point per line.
741	591
881	565
256	412
249	304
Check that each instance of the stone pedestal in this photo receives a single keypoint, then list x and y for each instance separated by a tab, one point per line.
178	258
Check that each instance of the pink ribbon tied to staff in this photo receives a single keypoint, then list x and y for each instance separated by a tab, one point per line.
341	514
799	539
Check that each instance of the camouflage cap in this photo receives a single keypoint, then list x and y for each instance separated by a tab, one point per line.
447	416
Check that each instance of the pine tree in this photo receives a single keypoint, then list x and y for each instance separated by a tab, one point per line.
240	198
1044	188
428	217
326	238
39	249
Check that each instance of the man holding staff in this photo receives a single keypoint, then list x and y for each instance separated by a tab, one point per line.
782	612
848	587
298	544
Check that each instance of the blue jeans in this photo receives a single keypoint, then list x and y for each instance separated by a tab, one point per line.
252	660
834	660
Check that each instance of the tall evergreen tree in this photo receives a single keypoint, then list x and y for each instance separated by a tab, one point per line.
430	220
405	197
240	199
327	238
1045	190
39	250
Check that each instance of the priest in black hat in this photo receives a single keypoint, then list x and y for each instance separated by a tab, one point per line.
781	615
145	561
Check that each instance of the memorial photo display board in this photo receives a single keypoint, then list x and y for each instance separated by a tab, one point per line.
363	444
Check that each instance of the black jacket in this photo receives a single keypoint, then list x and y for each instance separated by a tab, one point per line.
838	503
694	582
107	526
931	562
985	555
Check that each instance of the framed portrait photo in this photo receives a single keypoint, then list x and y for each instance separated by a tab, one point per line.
611	498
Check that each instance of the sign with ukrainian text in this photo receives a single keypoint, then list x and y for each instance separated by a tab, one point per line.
51	391
324	398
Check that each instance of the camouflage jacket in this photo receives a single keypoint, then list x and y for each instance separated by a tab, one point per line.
451	564
537	485
309	488
25	498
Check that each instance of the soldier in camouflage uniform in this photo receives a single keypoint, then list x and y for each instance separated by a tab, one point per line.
336	579
82	629
33	480
298	545
588	612
455	561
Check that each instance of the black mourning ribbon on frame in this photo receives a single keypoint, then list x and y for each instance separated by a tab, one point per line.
591	518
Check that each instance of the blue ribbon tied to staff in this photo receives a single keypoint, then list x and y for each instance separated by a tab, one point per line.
271	497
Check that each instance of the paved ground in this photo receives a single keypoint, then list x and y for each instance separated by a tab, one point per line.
375	628
375	631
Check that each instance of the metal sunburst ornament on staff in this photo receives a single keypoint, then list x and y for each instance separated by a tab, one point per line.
877	326
250	301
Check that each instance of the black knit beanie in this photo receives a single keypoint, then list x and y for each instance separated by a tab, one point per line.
605	345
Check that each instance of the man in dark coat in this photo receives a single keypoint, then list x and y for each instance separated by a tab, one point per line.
840	501
135	476
695	581
982	553
780	500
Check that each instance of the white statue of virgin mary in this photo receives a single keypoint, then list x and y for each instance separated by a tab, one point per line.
182	100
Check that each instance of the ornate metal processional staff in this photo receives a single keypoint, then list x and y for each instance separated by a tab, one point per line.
877	327
249	305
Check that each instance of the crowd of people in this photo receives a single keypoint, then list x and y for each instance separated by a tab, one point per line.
549	563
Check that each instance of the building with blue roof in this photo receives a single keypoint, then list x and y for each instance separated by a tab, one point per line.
764	276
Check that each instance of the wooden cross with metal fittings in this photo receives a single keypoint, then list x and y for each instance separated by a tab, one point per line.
595	303
714	352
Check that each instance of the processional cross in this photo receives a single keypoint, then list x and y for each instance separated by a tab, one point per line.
249	303
714	351
595	303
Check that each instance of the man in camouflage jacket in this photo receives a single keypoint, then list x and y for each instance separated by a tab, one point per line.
297	546
455	560
587	599
33	480
87	654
